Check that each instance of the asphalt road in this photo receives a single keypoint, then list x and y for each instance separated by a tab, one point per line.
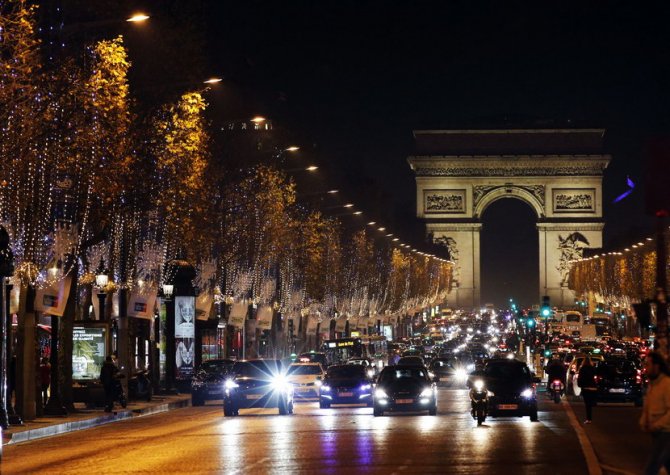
337	440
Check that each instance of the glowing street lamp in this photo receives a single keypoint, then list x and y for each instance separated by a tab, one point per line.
213	80
312	168
292	148
138	18
258	120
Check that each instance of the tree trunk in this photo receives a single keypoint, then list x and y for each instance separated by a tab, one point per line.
67	343
26	351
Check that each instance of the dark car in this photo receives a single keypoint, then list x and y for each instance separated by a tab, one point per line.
257	383
443	370
405	388
207	381
313	357
619	379
345	384
410	361
511	388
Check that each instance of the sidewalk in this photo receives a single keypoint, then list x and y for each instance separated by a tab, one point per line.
87	418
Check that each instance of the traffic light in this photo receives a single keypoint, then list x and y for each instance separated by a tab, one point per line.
545	308
530	323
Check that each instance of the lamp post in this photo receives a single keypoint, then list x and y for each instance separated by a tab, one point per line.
101	281
6	269
170	348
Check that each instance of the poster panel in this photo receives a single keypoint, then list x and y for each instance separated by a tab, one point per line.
312	323
238	314
184	332
264	318
141	305
89	348
341	324
203	305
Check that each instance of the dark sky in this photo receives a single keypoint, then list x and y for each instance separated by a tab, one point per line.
354	78
350	79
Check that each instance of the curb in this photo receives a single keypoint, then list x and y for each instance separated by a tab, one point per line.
71	426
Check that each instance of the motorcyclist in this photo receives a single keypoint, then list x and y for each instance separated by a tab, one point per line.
556	370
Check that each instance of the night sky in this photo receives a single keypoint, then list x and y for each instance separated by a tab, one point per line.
350	80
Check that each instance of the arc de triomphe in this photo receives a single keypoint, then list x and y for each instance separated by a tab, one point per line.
557	172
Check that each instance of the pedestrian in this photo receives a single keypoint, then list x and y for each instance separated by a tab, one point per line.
655	417
587	382
45	379
11	381
107	375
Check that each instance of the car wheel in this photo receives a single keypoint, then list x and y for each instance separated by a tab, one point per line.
290	407
324	405
229	410
533	414
557	397
377	412
481	417
433	410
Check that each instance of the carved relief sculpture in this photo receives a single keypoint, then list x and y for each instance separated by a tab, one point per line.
571	248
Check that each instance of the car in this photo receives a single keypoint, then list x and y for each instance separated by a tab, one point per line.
410	361
369	366
207	381
313	357
345	384
444	371
257	383
404	388
511	387
619	380
306	379
574	367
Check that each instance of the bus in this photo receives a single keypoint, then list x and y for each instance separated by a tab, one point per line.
374	348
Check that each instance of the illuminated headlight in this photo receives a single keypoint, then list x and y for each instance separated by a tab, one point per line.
366	387
371	373
318	382
280	383
471	367
479	385
381	394
428	392
325	388
510	356
461	374
431	374
527	393
230	384
490	393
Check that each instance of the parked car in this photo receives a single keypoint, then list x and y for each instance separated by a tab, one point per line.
404	388
207	381
306	379
345	384
257	383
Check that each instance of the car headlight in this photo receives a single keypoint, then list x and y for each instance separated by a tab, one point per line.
381	394
428	392
431	374
490	393
371	373
471	367
325	388
461	374
479	385
230	384
366	387
527	393
280	383
318	382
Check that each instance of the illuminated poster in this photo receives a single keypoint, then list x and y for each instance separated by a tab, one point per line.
89	351
162	335
184	333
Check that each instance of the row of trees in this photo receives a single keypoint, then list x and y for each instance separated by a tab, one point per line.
83	178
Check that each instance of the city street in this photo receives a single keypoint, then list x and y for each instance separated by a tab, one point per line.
337	440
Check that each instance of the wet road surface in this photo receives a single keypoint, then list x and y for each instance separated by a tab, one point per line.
339	440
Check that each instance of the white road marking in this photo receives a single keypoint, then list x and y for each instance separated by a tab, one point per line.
589	454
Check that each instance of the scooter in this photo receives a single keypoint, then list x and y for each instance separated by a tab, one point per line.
479	401
139	386
555	390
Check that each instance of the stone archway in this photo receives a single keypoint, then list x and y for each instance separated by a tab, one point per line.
558	173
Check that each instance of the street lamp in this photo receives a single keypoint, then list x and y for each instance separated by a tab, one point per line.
138	18
101	281
213	81
168	290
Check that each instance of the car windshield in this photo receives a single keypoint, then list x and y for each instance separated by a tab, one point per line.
442	364
359	362
218	367
257	369
348	371
304	369
572	318
392	375
507	372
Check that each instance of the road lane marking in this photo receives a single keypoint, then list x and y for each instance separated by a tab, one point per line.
589	454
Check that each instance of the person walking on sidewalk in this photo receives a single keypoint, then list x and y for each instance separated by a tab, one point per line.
107	374
587	381
655	417
45	379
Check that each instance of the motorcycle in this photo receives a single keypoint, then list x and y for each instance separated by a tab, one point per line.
555	390
479	401
139	386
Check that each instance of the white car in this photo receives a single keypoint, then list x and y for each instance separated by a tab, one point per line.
306	379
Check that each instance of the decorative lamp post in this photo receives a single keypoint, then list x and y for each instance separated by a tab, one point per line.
6	270
101	281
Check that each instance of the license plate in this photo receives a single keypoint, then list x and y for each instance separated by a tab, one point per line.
254	396
346	394
214	392
404	401
617	390
303	390
508	406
